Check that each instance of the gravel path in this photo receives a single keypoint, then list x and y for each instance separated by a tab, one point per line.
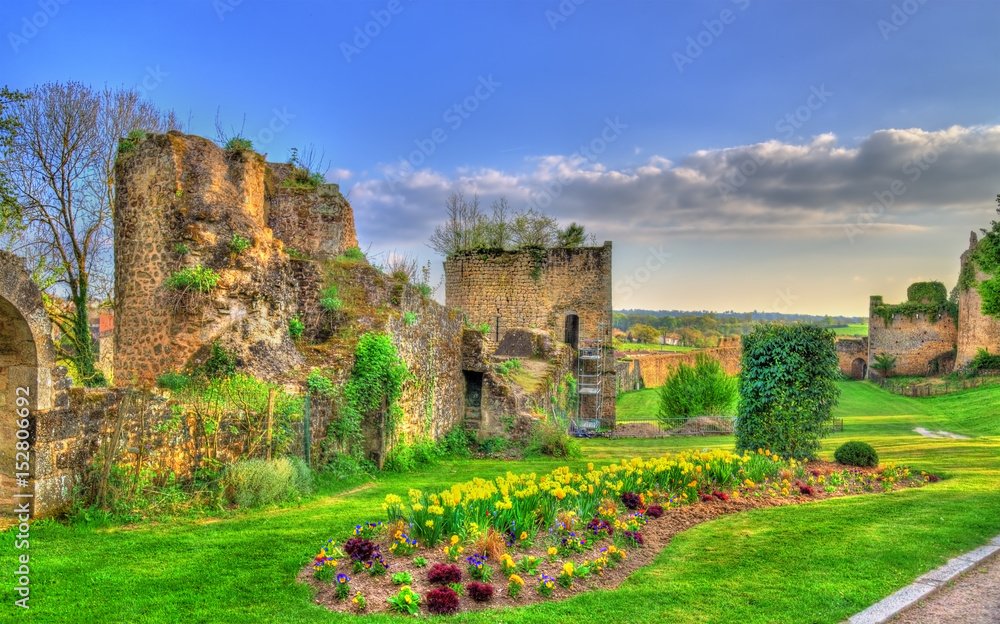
973	598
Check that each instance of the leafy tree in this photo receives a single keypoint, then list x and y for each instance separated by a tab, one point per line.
702	389
884	363
61	168
643	334
987	259
10	209
573	235
787	389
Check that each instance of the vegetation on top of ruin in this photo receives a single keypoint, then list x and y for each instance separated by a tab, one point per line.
468	228
987	259
929	299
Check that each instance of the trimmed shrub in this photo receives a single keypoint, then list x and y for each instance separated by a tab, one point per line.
856	453
255	482
787	389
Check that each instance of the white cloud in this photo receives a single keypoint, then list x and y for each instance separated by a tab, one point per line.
765	190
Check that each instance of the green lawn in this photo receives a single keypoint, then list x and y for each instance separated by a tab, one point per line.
855	329
816	562
637	404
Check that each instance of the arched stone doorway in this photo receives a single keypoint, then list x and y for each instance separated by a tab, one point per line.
26	361
859	368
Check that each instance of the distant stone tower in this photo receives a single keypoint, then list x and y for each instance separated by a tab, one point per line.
566	291
975	330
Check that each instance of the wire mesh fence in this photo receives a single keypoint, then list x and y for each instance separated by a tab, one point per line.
673	427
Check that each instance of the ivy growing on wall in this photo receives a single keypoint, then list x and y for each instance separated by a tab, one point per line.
372	391
929	299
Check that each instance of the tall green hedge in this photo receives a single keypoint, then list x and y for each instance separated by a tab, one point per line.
787	389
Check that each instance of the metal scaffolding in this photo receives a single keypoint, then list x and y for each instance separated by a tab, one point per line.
590	364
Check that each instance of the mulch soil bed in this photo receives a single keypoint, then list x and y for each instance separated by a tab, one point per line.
657	534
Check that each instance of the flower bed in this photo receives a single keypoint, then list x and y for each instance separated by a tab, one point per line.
520	539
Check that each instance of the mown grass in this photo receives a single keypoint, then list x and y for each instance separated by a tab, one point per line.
816	562
637	404
854	329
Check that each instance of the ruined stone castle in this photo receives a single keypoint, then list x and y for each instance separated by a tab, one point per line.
183	204
927	334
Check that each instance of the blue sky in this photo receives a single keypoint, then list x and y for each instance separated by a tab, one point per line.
684	93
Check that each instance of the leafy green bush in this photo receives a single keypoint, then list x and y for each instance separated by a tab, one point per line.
329	299
131	141
856	453
181	248
220	363
173	381
456	443
408	457
238	244
484	329
200	278
984	361
238	144
409	319
702	389
552	441
509	367
425	290
787	389
352	254
255	482
320	384
934	292
296	327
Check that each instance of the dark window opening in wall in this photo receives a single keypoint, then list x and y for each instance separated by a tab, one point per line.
572	333
473	389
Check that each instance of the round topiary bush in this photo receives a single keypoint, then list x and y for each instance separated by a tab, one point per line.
856	453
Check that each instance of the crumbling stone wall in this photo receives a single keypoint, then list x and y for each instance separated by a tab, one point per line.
975	330
537	289
919	344
27	371
852	354
653	369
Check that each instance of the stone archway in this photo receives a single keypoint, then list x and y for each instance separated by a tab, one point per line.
27	357
859	368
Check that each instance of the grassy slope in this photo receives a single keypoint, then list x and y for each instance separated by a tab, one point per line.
817	562
637	404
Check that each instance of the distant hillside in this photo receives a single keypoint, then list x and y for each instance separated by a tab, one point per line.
754	316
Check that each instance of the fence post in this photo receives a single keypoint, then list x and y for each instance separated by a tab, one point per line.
270	419
307	432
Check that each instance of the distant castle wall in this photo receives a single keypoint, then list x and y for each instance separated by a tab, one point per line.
651	371
922	346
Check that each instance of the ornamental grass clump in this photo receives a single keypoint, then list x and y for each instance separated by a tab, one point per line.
442	601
